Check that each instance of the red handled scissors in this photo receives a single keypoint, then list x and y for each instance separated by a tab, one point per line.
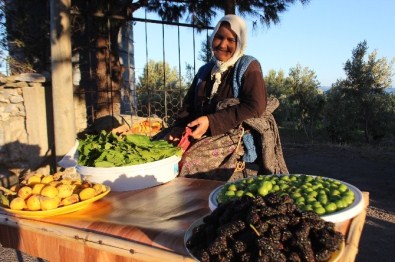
185	140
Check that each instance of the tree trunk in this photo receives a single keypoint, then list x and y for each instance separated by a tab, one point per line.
366	131
108	74
101	71
128	83
230	7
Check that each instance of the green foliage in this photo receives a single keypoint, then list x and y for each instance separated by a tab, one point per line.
189	75
300	99
382	118
158	76
24	33
340	119
277	87
201	13
359	105
111	150
160	91
353	110
306	100
205	51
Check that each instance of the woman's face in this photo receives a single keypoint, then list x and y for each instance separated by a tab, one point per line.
224	43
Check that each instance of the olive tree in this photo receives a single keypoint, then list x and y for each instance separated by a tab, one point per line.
306	99
159	89
369	106
158	76
277	87
339	117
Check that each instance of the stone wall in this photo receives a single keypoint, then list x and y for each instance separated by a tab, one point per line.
26	120
26	124
24	133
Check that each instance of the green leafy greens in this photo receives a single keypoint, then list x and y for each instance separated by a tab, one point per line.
110	150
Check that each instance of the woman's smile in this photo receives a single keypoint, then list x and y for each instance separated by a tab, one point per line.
224	43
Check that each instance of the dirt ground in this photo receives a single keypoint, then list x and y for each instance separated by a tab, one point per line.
368	169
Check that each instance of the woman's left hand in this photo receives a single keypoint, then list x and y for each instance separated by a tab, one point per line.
202	124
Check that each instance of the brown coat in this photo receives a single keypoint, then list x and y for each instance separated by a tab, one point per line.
250	109
252	100
272	153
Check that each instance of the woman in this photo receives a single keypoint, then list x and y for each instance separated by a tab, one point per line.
211	110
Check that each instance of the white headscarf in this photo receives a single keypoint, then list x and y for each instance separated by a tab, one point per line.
239	27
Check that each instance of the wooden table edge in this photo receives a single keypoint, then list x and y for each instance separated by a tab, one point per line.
125	248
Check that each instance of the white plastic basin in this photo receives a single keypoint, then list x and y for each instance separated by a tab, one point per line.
132	177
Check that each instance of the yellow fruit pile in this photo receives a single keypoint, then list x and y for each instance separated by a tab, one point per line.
146	127
39	192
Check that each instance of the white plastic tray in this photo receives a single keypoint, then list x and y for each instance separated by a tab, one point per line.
337	217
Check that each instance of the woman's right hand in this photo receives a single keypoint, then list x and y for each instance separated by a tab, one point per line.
175	134
200	126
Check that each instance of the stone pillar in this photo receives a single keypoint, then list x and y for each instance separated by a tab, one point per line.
62	85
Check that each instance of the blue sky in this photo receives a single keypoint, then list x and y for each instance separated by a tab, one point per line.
320	36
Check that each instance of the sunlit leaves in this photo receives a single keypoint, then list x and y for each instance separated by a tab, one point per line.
367	109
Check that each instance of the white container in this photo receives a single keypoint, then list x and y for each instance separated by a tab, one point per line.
132	177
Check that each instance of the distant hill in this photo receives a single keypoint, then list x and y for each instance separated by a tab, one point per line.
325	88
388	90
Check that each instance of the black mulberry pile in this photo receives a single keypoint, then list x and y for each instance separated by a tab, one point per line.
269	228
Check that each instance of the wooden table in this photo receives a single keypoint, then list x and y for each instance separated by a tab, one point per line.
141	225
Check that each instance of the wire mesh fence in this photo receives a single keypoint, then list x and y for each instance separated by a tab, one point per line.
160	103
172	44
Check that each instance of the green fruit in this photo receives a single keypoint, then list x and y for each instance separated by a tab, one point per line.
296	195
308	207
341	204
343	188
317	186
230	193
322	192
319	210
232	187
311	200
308	192
239	193
299	200
284	187
263	191
348	200
335	192
276	188
316	204
308	178
322	198
249	194
268	185
252	188
331	207
312	194
349	193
